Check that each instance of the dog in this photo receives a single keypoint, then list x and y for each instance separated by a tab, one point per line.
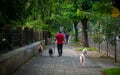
50	51
40	49
84	51
82	56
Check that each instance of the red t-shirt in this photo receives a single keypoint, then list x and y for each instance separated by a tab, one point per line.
60	38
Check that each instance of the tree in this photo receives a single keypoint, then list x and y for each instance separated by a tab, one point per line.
70	8
85	12
110	26
14	11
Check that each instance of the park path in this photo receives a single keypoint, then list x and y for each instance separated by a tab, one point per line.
67	64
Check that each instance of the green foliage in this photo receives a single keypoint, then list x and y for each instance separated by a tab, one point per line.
50	14
98	38
86	5
102	7
37	24
75	43
14	11
88	48
102	12
110	28
112	71
84	14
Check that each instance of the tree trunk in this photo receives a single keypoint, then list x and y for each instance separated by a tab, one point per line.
76	30
85	32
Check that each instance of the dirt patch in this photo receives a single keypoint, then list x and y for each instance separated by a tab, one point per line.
92	54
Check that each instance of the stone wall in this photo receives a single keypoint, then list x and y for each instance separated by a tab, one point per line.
14	59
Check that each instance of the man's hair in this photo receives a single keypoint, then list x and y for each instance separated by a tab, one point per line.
60	31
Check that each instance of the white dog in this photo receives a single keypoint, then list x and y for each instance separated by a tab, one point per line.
40	49
82	56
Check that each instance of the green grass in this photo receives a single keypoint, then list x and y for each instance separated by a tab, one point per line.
89	49
112	71
76	43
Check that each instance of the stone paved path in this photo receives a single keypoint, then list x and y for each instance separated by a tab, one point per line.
68	64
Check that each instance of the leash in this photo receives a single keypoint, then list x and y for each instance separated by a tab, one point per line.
54	47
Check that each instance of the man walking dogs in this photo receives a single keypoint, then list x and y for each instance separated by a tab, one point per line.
60	41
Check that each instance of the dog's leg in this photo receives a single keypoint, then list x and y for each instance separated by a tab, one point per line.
82	63
41	53
81	60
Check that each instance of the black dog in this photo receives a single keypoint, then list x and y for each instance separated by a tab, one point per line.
50	52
